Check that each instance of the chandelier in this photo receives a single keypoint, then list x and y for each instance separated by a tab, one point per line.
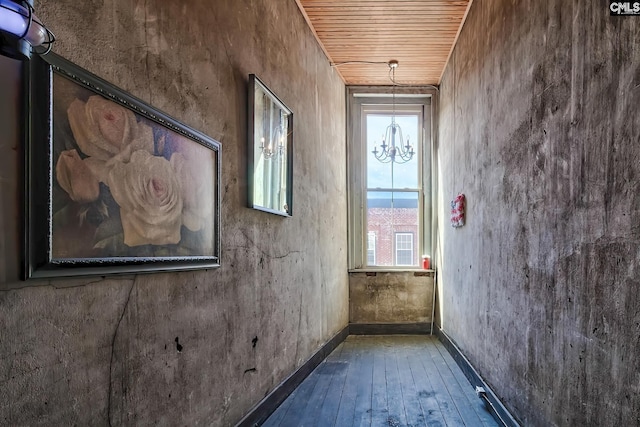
392	148
275	146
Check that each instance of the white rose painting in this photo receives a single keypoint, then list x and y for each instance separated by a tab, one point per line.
126	186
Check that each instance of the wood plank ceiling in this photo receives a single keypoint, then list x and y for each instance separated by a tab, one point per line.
360	37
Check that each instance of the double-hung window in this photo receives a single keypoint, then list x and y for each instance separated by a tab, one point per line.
389	200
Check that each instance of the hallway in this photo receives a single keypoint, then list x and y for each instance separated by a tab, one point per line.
165	291
399	380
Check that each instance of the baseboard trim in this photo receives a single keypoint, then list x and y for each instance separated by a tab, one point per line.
497	409
390	328
270	403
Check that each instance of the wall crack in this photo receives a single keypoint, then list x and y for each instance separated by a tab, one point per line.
113	344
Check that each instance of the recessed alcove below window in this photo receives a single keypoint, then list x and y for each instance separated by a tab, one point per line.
391	301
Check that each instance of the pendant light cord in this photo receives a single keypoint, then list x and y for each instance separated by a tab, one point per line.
393	92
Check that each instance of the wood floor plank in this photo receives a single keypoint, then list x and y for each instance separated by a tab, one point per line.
462	404
441	394
325	373
329	409
278	415
362	409
346	409
476	403
426	392
412	407
301	396
379	405
397	416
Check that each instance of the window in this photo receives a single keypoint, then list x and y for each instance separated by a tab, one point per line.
393	190
389	202
371	248
404	249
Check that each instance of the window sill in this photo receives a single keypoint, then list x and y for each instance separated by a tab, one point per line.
390	270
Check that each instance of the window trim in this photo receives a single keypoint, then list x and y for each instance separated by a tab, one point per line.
357	97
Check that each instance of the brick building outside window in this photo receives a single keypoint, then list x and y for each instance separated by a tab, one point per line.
395	227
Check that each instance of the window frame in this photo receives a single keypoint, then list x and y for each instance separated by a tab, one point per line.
362	98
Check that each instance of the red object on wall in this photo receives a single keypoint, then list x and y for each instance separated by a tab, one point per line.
457	211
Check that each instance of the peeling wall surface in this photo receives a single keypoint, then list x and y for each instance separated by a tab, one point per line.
390	297
181	348
539	127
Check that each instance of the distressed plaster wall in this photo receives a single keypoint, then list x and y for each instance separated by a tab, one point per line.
103	351
400	297
539	128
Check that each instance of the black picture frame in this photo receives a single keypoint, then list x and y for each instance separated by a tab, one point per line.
156	203
270	151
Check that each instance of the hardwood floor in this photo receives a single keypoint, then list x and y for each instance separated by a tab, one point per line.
388	380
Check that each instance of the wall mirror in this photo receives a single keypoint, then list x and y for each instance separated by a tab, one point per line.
270	151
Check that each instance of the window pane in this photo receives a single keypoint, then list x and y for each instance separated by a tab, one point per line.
391	175
404	249
389	213
371	248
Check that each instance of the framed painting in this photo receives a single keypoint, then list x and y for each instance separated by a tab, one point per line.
270	151
112	184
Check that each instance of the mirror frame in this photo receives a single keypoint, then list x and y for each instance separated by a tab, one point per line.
256	137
